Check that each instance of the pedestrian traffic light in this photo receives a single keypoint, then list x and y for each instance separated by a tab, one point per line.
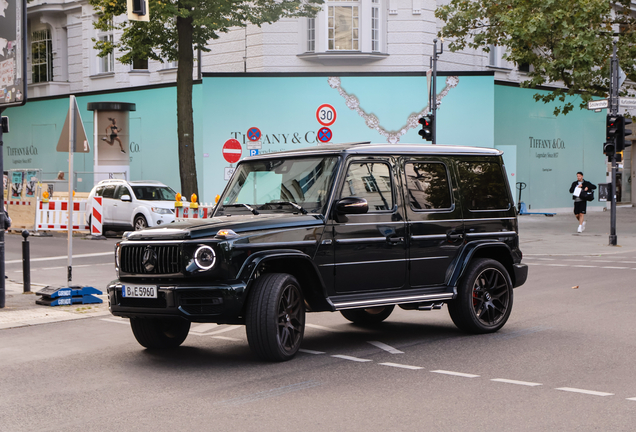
621	133
609	149
427	123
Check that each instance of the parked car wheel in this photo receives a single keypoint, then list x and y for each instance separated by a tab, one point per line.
275	321
484	298
368	316
160	332
140	223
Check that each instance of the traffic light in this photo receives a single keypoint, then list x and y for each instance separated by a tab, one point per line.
611	128
139	7
621	133
427	123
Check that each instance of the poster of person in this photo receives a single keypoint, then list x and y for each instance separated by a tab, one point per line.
17	178
113	138
12	79
31	183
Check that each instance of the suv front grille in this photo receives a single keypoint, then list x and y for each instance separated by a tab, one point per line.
164	259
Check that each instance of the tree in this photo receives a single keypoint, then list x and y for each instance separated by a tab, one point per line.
566	43
175	29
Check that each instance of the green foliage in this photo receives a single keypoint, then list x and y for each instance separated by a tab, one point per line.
158	39
564	41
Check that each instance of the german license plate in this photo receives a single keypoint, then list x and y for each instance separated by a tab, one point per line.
139	291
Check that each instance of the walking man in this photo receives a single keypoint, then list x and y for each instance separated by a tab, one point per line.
579	190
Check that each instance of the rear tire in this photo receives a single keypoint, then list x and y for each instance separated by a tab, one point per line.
368	316
160	333
484	298
275	321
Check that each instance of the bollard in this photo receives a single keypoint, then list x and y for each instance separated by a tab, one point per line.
26	263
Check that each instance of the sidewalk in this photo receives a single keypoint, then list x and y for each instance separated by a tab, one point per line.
538	234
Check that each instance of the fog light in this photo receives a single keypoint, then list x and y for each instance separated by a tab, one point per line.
205	257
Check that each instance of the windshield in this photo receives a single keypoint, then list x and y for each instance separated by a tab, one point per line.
154	193
289	185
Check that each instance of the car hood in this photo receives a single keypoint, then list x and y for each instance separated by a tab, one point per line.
207	228
160	204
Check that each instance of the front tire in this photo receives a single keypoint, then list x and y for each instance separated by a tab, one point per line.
275	321
484	298
140	223
160	333
368	316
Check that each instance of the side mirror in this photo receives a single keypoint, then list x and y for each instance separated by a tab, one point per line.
126	198
352	205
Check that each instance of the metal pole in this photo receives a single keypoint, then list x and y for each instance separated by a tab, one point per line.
26	263
433	96
2	284
71	147
613	100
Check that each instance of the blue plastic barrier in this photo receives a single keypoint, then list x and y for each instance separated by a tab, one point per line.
64	296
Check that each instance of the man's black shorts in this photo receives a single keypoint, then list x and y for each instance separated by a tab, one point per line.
580	207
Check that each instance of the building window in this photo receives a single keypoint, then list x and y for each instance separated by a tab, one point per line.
41	56
375	27
106	63
311	34
343	26
140	64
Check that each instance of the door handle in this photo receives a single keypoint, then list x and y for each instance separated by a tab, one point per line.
394	240
453	235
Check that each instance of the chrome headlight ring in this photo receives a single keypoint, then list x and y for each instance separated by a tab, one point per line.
205	257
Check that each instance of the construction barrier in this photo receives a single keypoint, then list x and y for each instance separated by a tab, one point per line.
96	216
185	212
57	296
54	215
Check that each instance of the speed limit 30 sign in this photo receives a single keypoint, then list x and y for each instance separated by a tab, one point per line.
326	115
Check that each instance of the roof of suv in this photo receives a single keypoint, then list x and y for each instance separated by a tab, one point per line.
132	183
368	148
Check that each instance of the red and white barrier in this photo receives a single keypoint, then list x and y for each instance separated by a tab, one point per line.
18	203
185	213
96	216
54	215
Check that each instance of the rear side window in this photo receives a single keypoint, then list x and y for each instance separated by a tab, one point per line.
371	181
427	186
483	185
109	191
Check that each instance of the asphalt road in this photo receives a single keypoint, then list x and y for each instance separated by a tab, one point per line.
564	361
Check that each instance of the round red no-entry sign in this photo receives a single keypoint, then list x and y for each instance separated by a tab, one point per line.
232	150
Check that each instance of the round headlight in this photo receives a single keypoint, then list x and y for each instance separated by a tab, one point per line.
205	257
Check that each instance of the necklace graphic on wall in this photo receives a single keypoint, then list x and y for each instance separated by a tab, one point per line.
392	137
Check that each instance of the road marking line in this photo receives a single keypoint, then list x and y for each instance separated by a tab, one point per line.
558	265
634	398
49	268
385	347
460	374
118	321
202	328
610	267
589	392
306	351
402	366
586	266
546	259
508	381
226	338
355	359
319	327
64	257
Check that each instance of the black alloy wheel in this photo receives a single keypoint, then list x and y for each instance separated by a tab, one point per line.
368	316
275	321
484	298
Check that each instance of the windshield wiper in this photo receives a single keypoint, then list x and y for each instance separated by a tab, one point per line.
293	204
252	209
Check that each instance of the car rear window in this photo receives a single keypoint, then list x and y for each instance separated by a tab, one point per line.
427	186
483	185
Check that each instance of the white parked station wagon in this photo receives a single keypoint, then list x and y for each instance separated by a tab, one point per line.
136	204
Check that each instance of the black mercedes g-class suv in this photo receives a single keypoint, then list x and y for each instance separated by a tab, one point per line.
355	228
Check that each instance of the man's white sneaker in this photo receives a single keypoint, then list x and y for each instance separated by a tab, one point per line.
579	229
583	226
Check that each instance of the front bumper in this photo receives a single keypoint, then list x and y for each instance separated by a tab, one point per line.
219	303
157	219
521	274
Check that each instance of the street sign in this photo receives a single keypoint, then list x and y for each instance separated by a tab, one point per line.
81	143
324	135
13	27
253	134
326	115
254	145
254	152
232	150
227	173
627	102
598	104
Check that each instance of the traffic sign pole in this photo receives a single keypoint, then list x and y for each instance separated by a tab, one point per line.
2	284
613	106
